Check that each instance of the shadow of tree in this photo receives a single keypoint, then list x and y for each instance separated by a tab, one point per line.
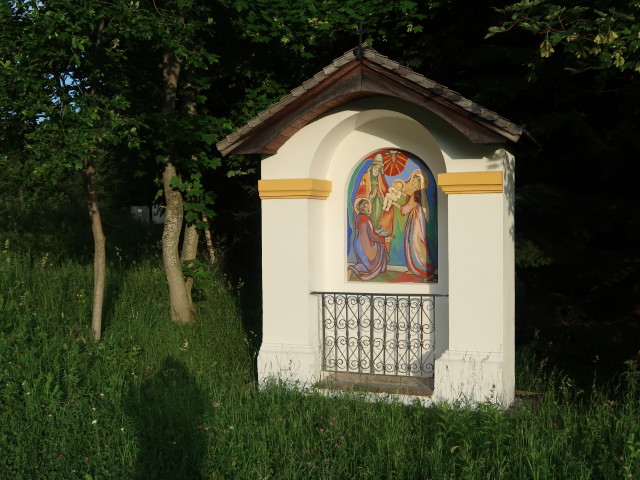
167	411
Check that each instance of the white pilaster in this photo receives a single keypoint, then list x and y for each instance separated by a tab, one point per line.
289	348
479	362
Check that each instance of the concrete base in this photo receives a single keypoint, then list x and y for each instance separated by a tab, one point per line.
291	363
471	377
393	384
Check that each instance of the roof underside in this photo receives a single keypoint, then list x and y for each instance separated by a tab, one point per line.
348	79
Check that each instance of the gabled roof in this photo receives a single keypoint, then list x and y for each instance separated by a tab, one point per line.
348	78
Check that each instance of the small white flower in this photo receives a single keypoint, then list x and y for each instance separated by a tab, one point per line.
122	429
93	408
94	422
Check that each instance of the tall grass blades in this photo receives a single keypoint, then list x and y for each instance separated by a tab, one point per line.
157	400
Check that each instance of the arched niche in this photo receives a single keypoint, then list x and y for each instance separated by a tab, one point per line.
344	145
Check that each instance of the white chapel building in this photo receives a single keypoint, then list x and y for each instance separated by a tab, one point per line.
387	235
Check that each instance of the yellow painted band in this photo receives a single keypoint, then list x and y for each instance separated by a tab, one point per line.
294	188
470	182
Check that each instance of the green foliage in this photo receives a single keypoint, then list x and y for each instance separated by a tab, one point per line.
313	23
201	273
197	199
528	254
63	75
81	86
602	34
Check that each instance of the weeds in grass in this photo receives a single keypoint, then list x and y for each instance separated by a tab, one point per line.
158	400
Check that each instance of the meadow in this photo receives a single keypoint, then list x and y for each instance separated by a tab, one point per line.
154	400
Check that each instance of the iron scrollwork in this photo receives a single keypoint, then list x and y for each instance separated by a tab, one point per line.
378	334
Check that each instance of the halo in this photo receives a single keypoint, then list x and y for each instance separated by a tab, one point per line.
360	200
424	179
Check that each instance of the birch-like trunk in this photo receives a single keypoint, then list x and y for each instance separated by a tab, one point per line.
180	308
209	239
99	252
189	252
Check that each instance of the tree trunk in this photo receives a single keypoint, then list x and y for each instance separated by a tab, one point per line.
190	103
189	252
191	233
99	253
178	299
99	240
209	239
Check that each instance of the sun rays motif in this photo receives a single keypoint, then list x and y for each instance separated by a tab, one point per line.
394	162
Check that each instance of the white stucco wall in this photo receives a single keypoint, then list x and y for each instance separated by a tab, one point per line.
304	244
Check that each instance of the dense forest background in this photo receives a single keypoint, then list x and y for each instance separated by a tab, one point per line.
88	85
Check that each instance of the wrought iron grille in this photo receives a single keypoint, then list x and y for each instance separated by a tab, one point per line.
378	334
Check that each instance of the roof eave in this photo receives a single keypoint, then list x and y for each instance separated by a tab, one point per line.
348	78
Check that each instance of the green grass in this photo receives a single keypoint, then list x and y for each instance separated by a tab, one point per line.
156	400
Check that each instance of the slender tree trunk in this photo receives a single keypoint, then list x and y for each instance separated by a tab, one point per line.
192	108
209	239
178	298
191	232
99	242
189	252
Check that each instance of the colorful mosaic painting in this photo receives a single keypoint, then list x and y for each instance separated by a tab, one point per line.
392	220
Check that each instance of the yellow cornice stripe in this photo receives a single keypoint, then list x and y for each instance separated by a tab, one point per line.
294	188
470	182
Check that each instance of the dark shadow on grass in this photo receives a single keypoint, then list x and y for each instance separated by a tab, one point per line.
167	411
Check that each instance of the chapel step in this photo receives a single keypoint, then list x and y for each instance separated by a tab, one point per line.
392	384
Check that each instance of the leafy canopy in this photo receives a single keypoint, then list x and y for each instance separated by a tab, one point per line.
597	34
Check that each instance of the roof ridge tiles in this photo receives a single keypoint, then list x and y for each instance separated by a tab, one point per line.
310	83
296	92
